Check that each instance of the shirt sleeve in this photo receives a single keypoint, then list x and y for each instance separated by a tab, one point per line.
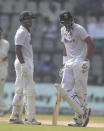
20	38
82	33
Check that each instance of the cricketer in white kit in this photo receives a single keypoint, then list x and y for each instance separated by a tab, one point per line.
78	48
4	48
24	84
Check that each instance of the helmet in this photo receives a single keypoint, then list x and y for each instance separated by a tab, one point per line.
26	15
65	16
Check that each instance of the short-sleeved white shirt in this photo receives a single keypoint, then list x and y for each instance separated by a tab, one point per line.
23	37
74	42
4	48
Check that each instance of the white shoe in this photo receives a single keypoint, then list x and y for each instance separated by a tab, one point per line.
86	117
33	122
14	119
75	123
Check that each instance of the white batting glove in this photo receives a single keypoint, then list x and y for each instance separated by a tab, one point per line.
85	66
24	71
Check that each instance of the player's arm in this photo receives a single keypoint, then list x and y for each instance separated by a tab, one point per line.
24	70
91	47
5	52
65	58
18	49
82	33
64	54
86	65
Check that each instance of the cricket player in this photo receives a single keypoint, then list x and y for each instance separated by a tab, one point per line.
78	49
4	48
24	84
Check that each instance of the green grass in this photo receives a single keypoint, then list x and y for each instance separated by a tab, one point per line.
15	127
4	126
63	117
69	117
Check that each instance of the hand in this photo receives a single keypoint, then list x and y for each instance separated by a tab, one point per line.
5	59
85	66
24	70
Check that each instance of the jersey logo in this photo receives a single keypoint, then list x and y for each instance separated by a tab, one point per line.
65	34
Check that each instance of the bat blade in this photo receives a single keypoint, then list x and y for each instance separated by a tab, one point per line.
56	110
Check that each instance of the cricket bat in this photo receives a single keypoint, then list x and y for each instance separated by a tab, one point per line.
56	110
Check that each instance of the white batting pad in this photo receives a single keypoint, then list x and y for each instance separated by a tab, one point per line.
76	107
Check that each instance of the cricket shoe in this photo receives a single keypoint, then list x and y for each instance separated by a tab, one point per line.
14	119
75	123
33	122
86	115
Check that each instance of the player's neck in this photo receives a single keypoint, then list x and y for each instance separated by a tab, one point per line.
27	28
68	30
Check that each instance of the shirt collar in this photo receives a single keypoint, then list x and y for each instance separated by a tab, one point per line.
24	28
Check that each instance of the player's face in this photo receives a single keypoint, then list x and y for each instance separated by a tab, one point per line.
67	24
27	22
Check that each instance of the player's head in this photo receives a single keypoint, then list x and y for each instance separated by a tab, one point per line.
1	31
66	19
26	18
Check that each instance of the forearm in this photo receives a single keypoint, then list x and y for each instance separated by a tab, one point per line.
65	58
91	46
64	52
89	52
20	57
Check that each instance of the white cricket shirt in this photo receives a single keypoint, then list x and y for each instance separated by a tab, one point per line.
4	48
23	37
74	43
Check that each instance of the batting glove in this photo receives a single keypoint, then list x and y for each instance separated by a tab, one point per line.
24	71
85	66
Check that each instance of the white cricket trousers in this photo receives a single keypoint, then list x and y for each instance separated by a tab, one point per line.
74	79
24	87
3	77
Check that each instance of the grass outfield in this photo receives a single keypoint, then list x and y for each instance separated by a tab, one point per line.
63	117
8	127
4	126
68	117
